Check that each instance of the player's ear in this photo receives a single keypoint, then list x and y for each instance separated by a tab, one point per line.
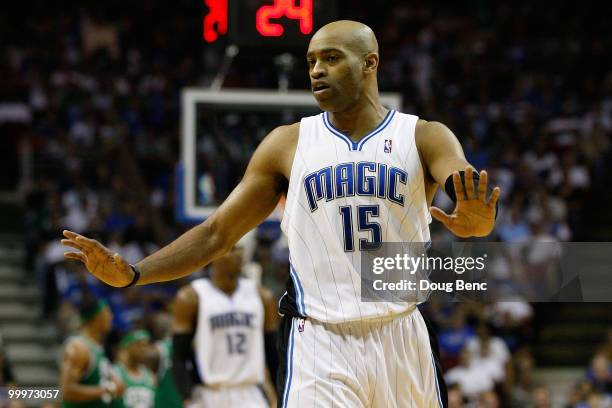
370	62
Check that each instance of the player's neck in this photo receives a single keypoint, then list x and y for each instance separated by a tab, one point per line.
359	120
226	286
132	366
93	335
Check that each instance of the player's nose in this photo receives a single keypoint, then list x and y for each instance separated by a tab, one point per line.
317	71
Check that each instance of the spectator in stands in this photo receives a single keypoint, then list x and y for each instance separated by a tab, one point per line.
129	309
541	398
523	384
511	320
606	348
600	373
488	399
455	398
453	338
488	354
513	227
470	379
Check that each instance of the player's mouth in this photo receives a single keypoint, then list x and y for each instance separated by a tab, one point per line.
320	88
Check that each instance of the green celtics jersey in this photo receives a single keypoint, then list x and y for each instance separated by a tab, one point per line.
98	371
139	389
166	395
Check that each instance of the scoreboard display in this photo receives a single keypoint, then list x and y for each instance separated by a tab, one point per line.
265	22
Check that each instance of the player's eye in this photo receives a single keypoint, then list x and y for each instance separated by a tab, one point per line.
332	58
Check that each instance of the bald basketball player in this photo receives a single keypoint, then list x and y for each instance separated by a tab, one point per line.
355	176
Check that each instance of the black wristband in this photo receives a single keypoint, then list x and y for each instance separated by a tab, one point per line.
182	368
135	278
449	187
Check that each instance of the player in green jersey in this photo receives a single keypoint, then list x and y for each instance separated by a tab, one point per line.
138	379
87	379
166	394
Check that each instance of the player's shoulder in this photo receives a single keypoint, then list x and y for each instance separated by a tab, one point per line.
76	349
75	342
248	284
431	132
285	133
276	151
279	139
187	294
426	127
185	306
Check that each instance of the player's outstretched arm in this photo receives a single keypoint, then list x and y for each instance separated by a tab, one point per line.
474	214
248	205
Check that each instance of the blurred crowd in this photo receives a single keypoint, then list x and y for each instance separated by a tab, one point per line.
488	360
529	98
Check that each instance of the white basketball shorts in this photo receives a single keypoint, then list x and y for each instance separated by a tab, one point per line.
251	396
379	363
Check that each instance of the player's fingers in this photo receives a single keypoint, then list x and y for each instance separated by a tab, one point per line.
469	183
494	196
439	215
69	234
459	190
76	255
482	186
72	244
88	242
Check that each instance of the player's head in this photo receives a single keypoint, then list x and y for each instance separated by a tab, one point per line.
482	331
229	266
96	315
161	325
343	60
135	345
455	398
488	399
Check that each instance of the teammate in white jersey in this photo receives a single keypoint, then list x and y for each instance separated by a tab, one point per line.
223	319
354	176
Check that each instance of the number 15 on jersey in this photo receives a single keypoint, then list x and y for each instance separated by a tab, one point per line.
365	215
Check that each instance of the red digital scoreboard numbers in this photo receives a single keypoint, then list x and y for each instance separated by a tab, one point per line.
215	22
257	22
280	9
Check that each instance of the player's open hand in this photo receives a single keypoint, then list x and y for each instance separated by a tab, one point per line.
105	265
473	216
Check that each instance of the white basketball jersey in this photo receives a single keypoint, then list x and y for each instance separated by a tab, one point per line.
344	196
228	341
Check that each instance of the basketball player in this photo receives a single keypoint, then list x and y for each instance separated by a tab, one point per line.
87	379
355	176
224	318
160	358
138	379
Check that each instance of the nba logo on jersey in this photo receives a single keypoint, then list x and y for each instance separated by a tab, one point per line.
301	323
388	144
